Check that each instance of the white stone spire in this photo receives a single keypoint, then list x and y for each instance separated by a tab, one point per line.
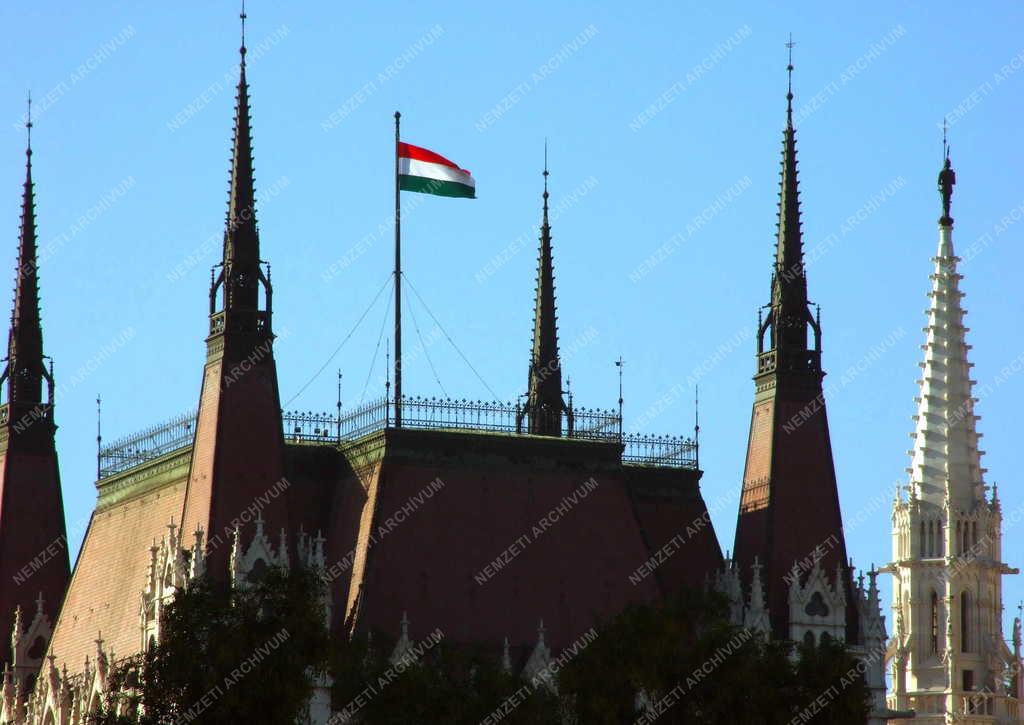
949	661
945	456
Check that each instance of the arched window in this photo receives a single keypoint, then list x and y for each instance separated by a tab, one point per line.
922	547
942	539
965	621
809	638
931	538
974	536
935	623
959	538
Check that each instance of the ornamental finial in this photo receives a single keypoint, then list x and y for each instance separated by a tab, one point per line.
243	16
28	128
789	93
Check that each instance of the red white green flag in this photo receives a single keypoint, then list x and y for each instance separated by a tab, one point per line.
429	173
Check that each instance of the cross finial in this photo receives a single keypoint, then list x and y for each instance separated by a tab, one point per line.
545	172
789	69
28	126
243	16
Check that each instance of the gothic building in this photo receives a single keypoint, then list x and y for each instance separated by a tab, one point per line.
948	657
514	527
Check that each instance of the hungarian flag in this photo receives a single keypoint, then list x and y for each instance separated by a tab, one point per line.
429	173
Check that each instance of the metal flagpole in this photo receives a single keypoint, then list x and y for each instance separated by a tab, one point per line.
398	286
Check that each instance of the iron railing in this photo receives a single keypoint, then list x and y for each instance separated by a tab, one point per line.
147	444
420	413
652	450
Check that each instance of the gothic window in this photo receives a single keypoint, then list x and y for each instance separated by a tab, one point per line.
922	547
941	538
959	538
826	638
935	623
38	649
931	538
965	622
258	571
816	607
809	638
974	535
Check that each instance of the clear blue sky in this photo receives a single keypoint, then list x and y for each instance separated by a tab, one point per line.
133	126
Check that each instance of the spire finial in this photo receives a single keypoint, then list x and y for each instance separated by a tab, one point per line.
243	16
545	181
789	93
28	129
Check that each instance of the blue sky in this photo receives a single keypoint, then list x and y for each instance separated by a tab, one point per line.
664	125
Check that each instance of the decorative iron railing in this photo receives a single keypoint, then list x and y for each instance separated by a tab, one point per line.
420	413
652	450
147	444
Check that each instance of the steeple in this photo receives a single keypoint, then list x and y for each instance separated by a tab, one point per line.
789	315
31	507
25	369
544	405
790	503
947	537
241	273
238	454
945	456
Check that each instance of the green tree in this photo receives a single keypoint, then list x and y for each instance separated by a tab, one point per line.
227	654
439	684
701	669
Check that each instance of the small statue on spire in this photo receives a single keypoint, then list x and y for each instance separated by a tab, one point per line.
947	179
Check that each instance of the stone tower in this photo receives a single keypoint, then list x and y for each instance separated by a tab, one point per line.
237	462
33	543
948	657
789	520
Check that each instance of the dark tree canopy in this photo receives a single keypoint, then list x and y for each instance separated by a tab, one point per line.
696	667
229	655
251	656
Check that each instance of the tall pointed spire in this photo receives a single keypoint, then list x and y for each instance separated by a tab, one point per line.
544	405
238	452
947	537
31	507
25	367
790	501
945	456
789	317
242	273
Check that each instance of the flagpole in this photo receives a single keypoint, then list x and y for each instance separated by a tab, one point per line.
398	286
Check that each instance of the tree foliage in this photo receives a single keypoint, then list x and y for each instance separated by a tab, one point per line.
436	684
695	667
246	654
251	655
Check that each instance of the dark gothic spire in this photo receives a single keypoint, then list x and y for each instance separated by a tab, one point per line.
789	316
25	370
242	274
544	405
